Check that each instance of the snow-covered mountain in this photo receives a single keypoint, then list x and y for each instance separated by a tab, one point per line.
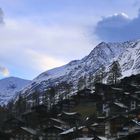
9	87
127	53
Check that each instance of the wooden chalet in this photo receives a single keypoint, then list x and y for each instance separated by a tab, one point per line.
65	105
117	108
83	96
53	122
12	123
130	100
41	109
104	91
5	136
36	114
78	132
130	126
115	124
99	126
71	118
52	133
24	133
30	115
132	136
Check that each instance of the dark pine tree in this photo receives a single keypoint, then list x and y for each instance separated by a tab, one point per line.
114	73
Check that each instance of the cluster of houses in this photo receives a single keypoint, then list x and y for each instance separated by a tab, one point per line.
112	112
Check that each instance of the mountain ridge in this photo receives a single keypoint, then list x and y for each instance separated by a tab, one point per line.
9	88
102	55
126	53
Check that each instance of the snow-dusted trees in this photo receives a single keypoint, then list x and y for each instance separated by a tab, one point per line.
49	97
114	73
20	105
35	97
99	75
81	83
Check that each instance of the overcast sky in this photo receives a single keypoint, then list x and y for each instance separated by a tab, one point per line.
37	35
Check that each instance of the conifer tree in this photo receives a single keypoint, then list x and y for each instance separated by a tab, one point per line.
99	75
81	83
114	73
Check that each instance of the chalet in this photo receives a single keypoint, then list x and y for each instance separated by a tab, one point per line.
117	108
28	116
135	113
130	126
110	108
115	124
36	114
99	126
65	105
132	136
50	128
52	133
104	91
12	123
84	95
132	80
130	100
5	136
57	122
72	118
78	132
24	133
41	109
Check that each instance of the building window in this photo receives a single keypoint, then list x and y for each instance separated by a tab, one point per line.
133	105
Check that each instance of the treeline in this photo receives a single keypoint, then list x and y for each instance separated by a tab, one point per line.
109	75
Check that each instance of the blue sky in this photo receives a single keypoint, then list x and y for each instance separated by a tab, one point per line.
37	35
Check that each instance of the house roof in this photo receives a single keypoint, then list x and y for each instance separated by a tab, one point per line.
94	124
57	120
130	136
103	138
118	89
29	130
56	127
69	113
117	116
121	105
71	130
84	139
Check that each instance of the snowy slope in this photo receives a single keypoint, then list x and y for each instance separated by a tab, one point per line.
127	53
9	88
130	60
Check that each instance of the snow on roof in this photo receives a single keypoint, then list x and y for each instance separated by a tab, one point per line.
68	131
58	120
119	89
70	113
58	127
134	85
137	92
71	130
94	124
30	130
120	105
127	93
136	122
103	138
101	117
83	139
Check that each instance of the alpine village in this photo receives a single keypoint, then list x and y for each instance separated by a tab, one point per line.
102	107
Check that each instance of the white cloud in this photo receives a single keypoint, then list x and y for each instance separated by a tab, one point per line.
36	48
118	27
